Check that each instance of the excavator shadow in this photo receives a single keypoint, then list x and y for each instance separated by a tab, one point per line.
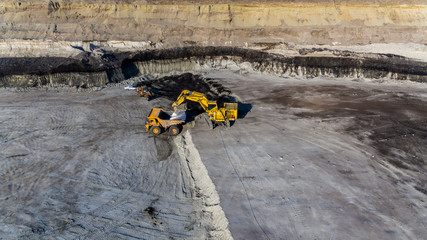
243	109
192	114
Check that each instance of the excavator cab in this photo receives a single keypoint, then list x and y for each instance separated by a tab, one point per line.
211	106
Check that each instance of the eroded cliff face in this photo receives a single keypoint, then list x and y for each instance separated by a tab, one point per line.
95	42
89	69
206	23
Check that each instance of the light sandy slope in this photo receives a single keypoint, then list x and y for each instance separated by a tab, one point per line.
43	48
281	175
221	23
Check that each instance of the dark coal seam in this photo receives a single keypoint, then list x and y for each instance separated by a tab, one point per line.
112	61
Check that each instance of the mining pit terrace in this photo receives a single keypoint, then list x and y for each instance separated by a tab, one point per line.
329	144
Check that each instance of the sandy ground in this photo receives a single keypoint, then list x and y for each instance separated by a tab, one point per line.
80	165
40	48
308	159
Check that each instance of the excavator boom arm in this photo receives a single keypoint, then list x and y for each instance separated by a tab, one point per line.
192	96
216	113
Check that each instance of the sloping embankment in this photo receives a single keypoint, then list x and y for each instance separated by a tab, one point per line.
214	216
88	69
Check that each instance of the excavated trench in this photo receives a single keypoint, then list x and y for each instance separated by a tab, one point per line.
379	119
99	67
392	123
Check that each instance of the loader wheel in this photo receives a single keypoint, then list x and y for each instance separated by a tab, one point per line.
174	130
210	124
156	130
208	121
227	124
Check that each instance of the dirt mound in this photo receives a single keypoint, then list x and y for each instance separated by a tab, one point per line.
171	86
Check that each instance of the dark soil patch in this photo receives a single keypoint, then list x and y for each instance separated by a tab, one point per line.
152	214
151	211
38	229
395	124
170	87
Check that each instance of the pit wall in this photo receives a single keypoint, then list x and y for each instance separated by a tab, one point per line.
196	59
230	24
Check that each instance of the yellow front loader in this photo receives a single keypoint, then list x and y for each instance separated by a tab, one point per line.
142	91
146	92
217	112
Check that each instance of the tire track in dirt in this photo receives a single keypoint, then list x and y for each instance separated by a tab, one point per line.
117	206
244	187
91	172
97	223
120	223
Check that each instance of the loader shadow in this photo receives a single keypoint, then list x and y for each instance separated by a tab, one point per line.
243	109
164	146
192	114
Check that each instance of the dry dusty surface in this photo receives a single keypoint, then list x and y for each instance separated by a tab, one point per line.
307	159
80	165
321	159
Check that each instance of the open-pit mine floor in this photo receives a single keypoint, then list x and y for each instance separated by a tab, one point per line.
321	158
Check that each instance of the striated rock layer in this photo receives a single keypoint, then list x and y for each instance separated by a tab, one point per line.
235	23
91	43
88	69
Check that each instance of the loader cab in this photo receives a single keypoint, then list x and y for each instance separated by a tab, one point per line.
211	106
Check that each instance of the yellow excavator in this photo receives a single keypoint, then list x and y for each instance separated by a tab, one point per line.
216	112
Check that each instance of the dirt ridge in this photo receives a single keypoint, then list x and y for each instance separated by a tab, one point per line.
216	221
